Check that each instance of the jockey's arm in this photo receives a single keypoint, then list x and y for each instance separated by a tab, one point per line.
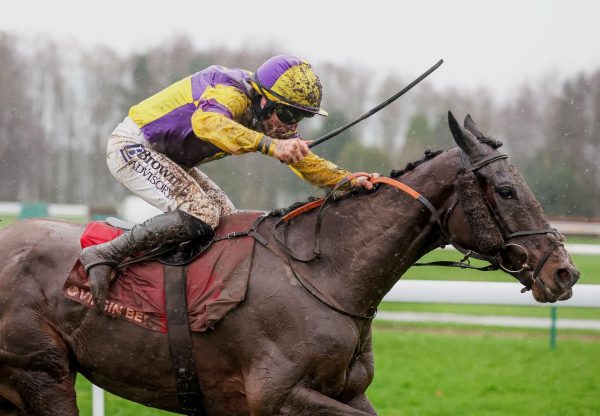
325	174
225	133
319	171
233	138
214	120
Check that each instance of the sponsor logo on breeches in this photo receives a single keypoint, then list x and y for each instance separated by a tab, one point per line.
152	170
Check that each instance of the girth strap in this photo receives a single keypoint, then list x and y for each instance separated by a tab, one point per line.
181	349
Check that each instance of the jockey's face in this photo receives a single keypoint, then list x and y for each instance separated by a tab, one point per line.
275	118
277	129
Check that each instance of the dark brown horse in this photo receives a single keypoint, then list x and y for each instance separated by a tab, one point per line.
282	351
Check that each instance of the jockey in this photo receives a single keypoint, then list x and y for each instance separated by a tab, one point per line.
211	114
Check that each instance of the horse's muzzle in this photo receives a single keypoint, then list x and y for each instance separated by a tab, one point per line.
560	288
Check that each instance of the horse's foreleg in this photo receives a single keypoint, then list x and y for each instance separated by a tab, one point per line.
46	386
306	401
44	396
37	362
359	378
362	403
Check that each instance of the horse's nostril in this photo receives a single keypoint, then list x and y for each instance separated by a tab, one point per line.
565	278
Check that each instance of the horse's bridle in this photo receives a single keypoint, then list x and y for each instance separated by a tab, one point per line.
496	259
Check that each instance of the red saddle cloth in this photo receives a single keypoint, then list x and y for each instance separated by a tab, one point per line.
216	280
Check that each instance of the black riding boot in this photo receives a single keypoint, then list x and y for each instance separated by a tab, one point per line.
165	229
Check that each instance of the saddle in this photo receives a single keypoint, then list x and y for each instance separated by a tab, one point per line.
217	275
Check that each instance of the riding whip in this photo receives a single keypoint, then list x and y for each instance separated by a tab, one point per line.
387	102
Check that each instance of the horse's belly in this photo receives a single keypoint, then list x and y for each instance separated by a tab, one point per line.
225	397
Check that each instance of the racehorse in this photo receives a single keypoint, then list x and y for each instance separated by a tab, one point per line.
300	342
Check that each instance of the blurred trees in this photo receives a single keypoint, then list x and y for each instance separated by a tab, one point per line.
60	103
567	178
22	142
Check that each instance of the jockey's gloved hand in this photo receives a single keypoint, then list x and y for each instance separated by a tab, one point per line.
290	151
363	181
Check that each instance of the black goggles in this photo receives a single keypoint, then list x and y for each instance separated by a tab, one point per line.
291	115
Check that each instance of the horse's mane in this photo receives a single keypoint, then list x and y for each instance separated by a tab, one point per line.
411	165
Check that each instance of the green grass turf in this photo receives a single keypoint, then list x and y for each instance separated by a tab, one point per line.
483	373
452	371
6	220
590	239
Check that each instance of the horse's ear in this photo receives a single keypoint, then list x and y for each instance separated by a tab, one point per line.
464	139
454	127
472	127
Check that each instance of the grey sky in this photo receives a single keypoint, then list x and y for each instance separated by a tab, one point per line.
497	45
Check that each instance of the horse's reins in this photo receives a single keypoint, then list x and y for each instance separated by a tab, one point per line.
440	218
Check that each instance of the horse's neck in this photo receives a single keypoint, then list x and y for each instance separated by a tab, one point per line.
370	240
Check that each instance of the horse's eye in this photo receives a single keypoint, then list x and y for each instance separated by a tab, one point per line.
506	192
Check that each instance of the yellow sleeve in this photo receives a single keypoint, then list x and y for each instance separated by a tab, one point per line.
319	171
214	120
228	135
